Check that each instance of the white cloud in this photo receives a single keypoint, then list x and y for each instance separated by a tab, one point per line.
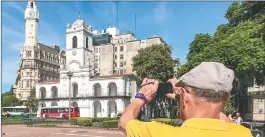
9	72
13	37
10	33
162	12
48	35
11	20
16	6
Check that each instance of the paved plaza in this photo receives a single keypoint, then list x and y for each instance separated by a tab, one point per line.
24	131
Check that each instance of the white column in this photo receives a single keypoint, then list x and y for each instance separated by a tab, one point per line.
104	105
120	105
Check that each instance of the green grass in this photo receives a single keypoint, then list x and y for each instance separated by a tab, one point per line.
12	121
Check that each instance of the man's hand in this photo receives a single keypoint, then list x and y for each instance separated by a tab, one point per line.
149	88
176	90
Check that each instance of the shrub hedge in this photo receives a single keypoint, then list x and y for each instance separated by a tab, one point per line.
101	119
84	121
12	121
110	124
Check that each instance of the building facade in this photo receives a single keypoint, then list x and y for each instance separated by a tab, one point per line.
94	70
38	62
256	101
100	96
108	52
96	96
113	55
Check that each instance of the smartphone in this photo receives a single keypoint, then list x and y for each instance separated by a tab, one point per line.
164	88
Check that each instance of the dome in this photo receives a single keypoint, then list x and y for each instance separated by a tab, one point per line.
78	23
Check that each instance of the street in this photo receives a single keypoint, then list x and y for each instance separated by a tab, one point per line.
24	131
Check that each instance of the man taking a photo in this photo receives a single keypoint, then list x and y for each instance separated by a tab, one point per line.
202	94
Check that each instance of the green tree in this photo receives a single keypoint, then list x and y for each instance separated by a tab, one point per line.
9	99
154	62
239	44
32	102
229	108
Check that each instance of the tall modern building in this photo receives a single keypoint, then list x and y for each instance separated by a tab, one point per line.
38	61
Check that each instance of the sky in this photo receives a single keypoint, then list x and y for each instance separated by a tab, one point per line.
176	22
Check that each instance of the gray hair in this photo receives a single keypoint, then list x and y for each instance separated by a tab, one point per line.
211	95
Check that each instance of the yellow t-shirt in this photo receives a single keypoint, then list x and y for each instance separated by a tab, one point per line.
195	127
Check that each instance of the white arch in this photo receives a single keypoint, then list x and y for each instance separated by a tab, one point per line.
74	104
54	91
97	89
112	89
97	108
74	42
112	108
42	92
54	104
75	89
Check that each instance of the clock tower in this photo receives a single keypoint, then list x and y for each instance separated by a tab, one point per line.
31	19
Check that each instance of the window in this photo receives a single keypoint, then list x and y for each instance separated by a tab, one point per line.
27	73
115	56
121	56
124	71
28	53
74	42
27	83
115	64
31	5
115	49
96	58
121	71
96	65
87	42
121	48
96	50
124	63
54	110
121	64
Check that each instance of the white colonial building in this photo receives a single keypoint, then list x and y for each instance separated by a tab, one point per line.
100	96
96	96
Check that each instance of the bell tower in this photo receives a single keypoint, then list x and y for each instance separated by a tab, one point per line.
31	20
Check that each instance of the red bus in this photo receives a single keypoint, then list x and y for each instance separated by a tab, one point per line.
59	112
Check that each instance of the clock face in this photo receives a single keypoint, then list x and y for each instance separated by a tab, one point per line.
74	53
31	13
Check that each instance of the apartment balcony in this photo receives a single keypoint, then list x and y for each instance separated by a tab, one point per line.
256	90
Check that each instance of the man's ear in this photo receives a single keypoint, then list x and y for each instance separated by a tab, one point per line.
184	99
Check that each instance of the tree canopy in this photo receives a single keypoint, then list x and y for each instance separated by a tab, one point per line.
32	102
239	44
154	62
9	99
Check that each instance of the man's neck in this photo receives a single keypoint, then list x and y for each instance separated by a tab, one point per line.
208	111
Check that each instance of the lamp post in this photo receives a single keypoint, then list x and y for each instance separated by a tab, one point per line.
69	74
